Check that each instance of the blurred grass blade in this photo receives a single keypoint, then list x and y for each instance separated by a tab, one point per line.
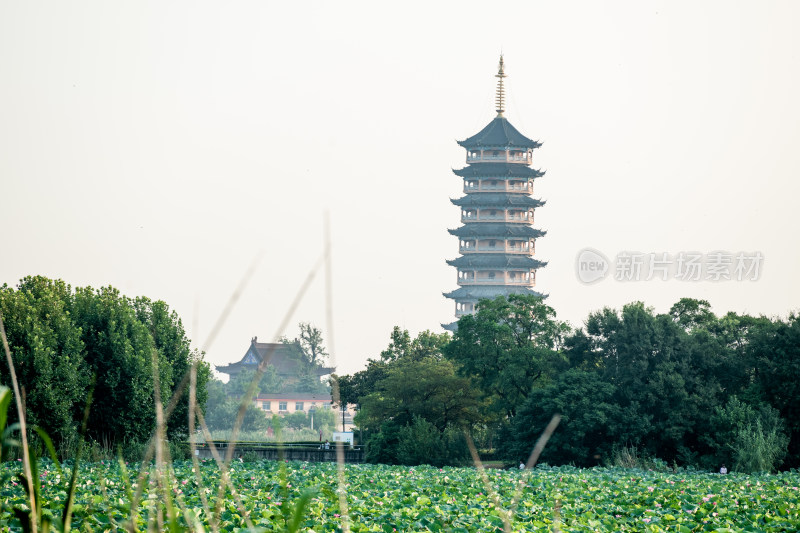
5	402
300	509
48	444
66	517
26	459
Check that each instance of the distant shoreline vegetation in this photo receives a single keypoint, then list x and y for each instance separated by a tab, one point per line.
684	388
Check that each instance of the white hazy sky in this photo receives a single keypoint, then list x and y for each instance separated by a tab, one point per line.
159	147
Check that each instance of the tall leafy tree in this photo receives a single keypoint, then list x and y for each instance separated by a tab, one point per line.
509	346
312	345
426	388
774	351
589	420
309	350
48	354
176	357
411	393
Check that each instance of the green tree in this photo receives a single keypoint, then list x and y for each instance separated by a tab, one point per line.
48	354
420	442
297	420
269	382
588	427
312	345
309	352
352	388
428	388
691	314
773	350
509	346
399	346
177	358
223	417
749	438
324	419
119	351
412	390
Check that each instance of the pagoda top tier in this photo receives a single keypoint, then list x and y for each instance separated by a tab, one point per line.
500	134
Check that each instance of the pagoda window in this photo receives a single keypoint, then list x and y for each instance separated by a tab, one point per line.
496	153
513	275
492	244
493	212
491	275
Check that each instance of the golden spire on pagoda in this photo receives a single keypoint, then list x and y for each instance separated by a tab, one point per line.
501	93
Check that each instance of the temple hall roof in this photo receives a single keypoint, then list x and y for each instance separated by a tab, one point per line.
281	356
499	133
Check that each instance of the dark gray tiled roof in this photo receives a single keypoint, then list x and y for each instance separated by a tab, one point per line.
497	199
279	355
495	261
487	291
497	230
499	133
498	170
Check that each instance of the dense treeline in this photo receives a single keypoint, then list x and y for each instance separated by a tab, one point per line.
65	342
686	387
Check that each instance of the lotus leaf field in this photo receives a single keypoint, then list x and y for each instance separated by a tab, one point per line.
395	498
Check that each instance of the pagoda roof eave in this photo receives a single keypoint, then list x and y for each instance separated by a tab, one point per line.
499	133
497	199
476	293
498	171
491	229
494	261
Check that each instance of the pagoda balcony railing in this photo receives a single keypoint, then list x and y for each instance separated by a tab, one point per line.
494	250
520	158
462	312
496	218
504	187
498	281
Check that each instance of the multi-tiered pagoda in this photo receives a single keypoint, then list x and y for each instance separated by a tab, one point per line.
497	241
